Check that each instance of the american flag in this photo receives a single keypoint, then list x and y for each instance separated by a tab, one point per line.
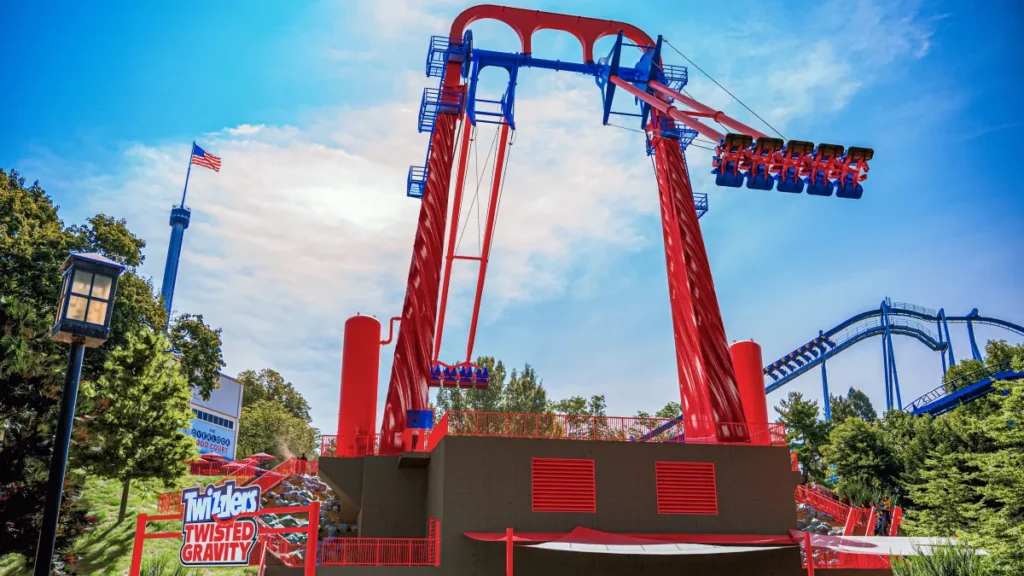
203	158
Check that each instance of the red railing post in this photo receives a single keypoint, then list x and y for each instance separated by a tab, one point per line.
140	539
437	542
808	553
508	551
312	537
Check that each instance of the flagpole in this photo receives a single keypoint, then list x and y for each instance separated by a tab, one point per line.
188	173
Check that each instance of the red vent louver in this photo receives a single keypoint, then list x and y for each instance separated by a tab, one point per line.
563	485
686	488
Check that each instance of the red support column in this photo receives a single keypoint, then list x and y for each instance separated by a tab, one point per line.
485	254
707	384
746	362
360	365
410	371
453	228
508	551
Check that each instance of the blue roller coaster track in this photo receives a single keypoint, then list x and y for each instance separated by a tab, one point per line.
901	319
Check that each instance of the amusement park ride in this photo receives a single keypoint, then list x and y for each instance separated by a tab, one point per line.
671	120
711	492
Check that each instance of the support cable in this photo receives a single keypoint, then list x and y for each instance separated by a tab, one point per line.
694	64
476	194
501	189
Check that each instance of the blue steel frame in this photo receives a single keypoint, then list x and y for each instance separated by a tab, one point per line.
502	110
888	319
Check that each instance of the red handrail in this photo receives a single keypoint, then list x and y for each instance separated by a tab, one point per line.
834	508
383	551
609	428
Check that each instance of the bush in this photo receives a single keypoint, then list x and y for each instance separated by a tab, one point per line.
959	560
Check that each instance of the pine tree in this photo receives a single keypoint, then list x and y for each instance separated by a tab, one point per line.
805	433
138	430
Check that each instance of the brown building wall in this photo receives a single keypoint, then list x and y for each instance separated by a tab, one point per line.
477	484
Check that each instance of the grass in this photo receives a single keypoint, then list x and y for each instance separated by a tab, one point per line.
106	548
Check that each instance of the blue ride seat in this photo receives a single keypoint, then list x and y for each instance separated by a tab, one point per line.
762	161
848	184
728	170
789	176
820	181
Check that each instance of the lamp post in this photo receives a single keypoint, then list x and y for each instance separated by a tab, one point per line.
83	321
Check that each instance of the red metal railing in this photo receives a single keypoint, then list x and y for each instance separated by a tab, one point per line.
834	508
363	446
383	551
170	502
206	468
830	559
610	428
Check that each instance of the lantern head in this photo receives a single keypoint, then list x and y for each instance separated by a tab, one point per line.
86	299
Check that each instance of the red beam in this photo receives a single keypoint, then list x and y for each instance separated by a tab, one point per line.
667	109
460	181
485	254
717	115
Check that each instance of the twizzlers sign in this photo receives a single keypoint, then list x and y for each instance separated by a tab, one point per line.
212	535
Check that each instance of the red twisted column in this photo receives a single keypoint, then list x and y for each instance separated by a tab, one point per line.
409	373
707	384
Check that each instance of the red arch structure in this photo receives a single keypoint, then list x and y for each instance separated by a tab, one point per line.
711	401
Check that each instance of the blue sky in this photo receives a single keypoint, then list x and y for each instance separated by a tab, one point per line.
312	107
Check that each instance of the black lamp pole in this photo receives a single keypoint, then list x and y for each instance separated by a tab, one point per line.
59	462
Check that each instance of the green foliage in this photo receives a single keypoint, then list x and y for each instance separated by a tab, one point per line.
143	407
580	406
520	392
268	426
269	385
960	560
864	460
198	349
806	434
166	566
854	404
31	380
670	411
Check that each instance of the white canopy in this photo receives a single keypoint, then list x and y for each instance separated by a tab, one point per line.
650	549
882	545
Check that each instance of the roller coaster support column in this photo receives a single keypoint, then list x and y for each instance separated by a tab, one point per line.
707	383
485	252
885	370
460	182
974	343
824	393
944	328
411	368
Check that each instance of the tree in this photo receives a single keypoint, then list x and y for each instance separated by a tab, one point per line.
31	379
138	432
671	411
269	385
861	404
863	458
580	406
805	433
268	426
198	348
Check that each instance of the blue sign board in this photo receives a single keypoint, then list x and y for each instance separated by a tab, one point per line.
212	438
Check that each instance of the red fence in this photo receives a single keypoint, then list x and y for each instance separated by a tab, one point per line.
363	446
571	427
830	506
383	551
206	468
170	502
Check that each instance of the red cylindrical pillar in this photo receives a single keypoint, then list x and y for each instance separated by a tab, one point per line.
746	363
360	365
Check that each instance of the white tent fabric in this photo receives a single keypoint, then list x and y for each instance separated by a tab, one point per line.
650	549
881	545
